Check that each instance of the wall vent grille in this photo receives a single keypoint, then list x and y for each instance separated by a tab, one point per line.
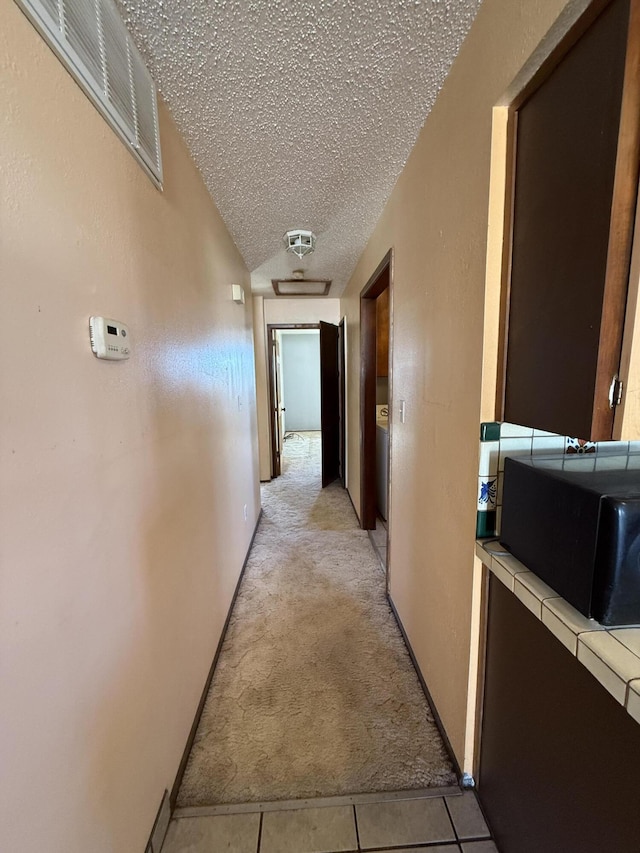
92	41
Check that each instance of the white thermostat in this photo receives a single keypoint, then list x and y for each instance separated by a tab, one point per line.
109	338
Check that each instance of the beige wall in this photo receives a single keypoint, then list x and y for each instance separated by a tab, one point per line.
301	310
436	223
271	312
123	484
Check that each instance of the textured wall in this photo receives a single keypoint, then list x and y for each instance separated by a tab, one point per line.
123	484
436	222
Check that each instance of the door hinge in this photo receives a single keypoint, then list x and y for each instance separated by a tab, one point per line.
615	392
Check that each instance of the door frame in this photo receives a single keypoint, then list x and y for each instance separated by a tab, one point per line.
381	279
271	329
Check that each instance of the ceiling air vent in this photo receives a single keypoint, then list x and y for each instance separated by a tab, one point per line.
91	40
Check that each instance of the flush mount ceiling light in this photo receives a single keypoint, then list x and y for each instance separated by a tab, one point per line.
300	287
300	242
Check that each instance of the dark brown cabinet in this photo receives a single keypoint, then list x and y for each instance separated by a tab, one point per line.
576	140
558	768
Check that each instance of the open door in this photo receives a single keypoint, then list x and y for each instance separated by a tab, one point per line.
329	403
342	397
277	409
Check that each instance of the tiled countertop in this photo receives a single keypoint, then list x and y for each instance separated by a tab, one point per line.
612	655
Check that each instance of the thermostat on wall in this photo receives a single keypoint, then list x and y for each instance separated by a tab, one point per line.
109	338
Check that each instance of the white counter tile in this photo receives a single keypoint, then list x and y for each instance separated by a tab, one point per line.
489	453
605	675
614	665
539	588
513	447
502	564
532	591
611	655
481	553
515	431
530	601
605	645
633	700
510	563
572	618
629	637
560	630
612	448
548	444
503	574
566	623
486	549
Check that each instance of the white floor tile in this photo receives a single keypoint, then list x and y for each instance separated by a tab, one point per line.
234	833
392	824
328	830
467	816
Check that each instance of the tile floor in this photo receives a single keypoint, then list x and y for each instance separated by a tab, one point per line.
449	824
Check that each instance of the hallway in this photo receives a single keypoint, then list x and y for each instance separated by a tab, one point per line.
314	694
285	158
315	718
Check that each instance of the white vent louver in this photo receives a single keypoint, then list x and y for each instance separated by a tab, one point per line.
92	41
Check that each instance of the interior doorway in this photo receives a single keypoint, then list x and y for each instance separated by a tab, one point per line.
306	391
376	327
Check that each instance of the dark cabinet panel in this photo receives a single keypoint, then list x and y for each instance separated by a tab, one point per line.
559	756
566	312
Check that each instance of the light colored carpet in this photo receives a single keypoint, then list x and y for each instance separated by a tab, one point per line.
314	694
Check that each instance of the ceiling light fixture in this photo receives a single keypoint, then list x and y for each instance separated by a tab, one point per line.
300	242
297	287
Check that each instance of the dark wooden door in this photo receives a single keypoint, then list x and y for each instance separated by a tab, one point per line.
342	400
576	172
329	403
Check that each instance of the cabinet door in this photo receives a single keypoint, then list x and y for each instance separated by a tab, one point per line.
576	172
558	766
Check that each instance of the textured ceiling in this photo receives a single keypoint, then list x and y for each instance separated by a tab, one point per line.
299	114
